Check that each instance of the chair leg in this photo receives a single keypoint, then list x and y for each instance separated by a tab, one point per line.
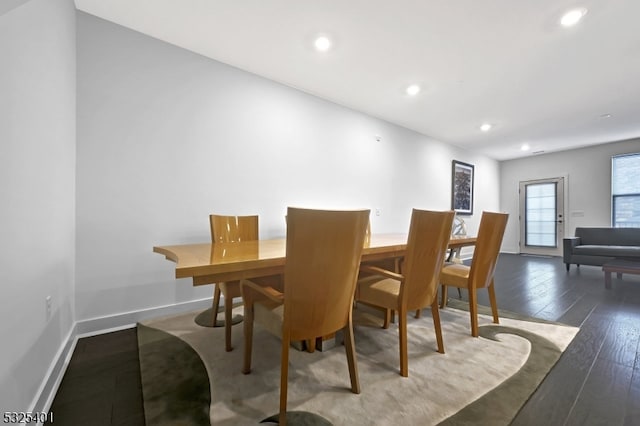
435	313
311	345
492	301
228	306
248	336
216	303
387	318
350	349
443	301
473	311
387	314
402	335
284	376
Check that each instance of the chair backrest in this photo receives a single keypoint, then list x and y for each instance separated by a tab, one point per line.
427	243
232	229
323	258
367	234
485	255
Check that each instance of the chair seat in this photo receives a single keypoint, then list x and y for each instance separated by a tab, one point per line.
379	291
269	315
455	275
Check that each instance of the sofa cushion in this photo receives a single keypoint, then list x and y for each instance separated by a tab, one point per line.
609	236
604	250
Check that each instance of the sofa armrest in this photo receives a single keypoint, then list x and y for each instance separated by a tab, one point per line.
568	243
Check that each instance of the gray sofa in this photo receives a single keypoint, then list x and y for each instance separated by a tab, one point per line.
597	246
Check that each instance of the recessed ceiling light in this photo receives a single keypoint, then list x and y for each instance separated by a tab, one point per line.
485	127
525	147
572	17
322	43
605	115
413	90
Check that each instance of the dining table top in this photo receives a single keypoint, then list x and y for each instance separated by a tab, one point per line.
210	262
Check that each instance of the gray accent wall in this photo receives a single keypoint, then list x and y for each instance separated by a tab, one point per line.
587	190
37	183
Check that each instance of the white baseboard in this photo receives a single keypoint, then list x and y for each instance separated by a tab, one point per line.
55	373
95	326
107	324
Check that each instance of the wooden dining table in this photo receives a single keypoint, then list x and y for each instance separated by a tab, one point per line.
208	263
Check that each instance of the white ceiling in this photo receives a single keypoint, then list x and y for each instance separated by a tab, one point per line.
505	62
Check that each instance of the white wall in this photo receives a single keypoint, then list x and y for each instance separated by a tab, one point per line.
166	137
7	5
37	169
588	189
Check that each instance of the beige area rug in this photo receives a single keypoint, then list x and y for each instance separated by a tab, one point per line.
483	380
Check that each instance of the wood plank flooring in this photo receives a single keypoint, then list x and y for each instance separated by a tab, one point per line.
595	382
102	383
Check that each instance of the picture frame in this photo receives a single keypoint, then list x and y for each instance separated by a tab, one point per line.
462	175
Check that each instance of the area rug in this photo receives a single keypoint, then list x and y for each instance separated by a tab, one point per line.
189	379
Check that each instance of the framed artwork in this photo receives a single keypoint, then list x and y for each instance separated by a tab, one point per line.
462	188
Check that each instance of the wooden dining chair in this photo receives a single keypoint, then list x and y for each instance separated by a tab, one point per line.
322	259
483	265
390	264
417	286
229	229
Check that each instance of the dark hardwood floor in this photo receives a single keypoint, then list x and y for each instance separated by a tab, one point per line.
102	383
595	382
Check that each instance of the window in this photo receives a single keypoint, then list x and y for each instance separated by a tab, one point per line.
625	191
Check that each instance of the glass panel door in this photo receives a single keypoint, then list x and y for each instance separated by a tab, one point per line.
541	217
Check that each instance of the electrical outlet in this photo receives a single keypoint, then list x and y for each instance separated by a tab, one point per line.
378	212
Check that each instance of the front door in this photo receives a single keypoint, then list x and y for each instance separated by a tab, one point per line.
542	216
